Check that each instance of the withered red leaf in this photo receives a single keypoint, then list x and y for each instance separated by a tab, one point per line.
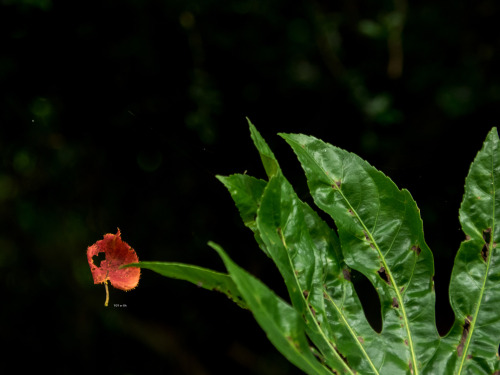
118	253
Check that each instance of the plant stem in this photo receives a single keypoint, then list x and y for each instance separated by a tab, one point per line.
107	293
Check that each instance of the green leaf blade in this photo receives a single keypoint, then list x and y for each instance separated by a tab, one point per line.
279	320
313	272
308	255
201	277
475	280
246	192
266	155
381	235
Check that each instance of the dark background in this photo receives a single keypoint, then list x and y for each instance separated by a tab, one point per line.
119	114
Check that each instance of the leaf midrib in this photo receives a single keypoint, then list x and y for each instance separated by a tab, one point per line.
309	312
352	332
393	283
488	263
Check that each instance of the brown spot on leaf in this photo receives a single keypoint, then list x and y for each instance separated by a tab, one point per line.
305	293
341	356
411	367
347	274
336	184
383	274
487	235
350	212
484	252
406	343
465	334
395	303
467	238
361	340
366	236
416	249
312	310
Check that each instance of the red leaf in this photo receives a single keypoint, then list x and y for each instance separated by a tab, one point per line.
117	254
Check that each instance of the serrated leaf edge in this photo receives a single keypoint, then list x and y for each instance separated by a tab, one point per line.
382	257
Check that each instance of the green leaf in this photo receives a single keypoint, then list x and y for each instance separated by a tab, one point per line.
471	347
279	320
201	277
266	155
381	236
308	255
246	192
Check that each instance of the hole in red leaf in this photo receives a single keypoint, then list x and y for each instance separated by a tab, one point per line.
97	259
465	334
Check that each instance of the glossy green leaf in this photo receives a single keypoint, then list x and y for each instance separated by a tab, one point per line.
266	155
472	345
246	192
382	237
380	234
201	277
282	324
307	253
